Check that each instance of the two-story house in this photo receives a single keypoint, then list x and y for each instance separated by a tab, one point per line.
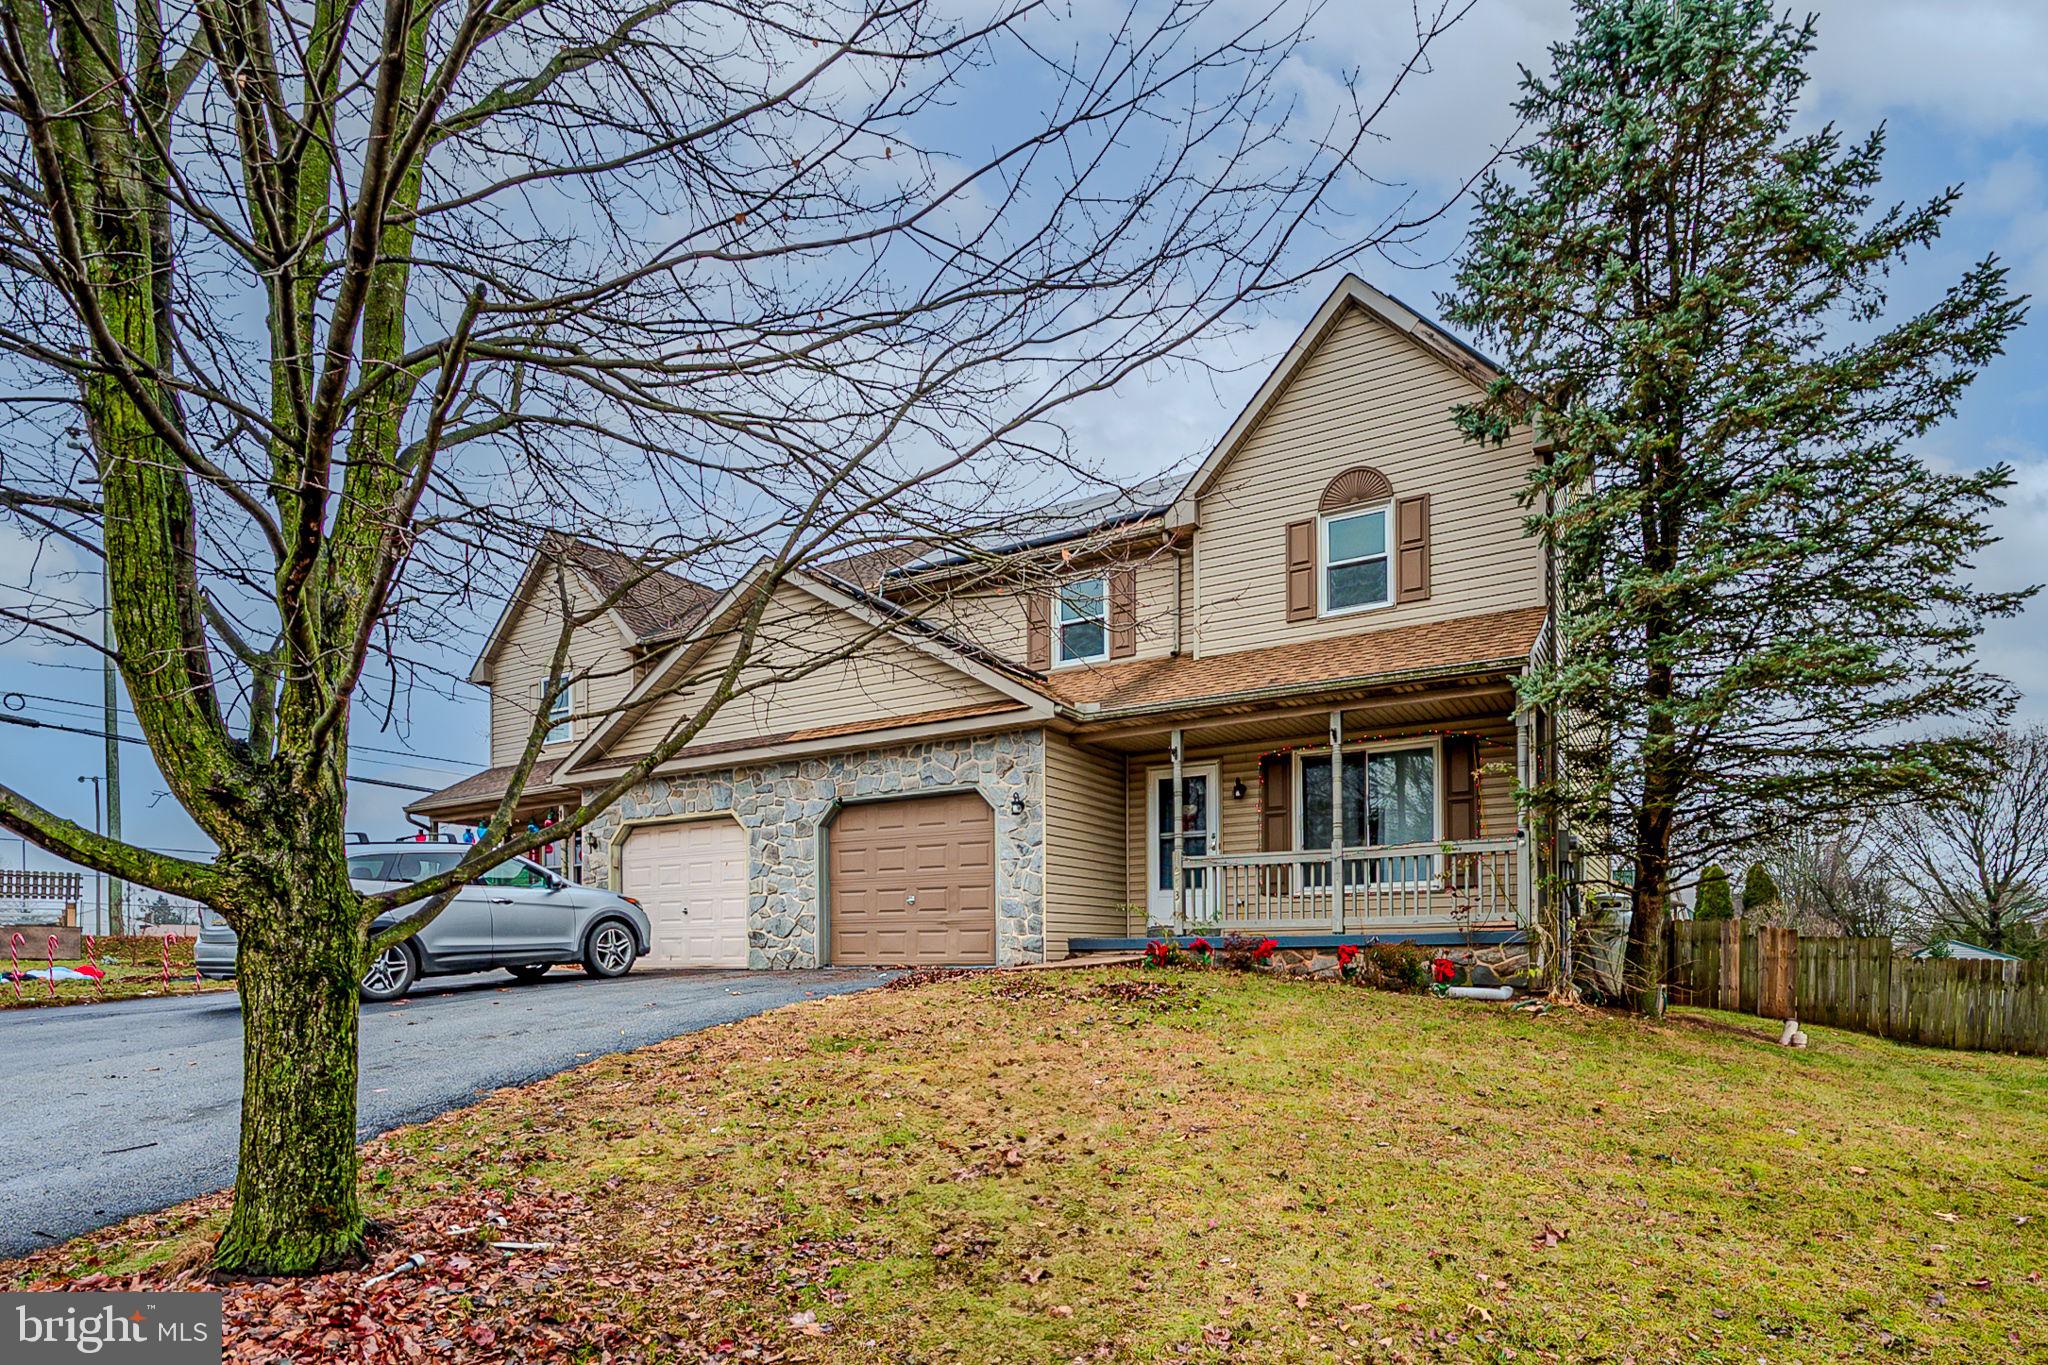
1274	696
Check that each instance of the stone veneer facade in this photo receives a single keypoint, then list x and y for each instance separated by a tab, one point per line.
786	807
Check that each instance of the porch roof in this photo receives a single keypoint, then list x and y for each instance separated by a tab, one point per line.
479	793
1497	642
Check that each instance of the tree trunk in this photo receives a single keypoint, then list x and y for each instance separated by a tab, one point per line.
298	966
1643	972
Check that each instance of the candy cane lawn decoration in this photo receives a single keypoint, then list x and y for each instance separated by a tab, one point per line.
166	941
15	948
52	978
92	962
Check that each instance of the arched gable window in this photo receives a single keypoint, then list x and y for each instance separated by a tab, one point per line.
1355	487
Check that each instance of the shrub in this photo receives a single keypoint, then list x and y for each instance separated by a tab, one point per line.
1759	891
1391	967
1244	952
1714	902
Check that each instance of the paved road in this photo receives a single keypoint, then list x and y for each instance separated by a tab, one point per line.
129	1107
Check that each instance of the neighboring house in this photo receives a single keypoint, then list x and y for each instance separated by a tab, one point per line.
1127	722
1956	948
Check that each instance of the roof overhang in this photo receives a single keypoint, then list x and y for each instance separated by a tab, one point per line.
670	669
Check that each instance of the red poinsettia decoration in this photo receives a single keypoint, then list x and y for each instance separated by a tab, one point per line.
1159	952
1265	949
1202	949
1443	971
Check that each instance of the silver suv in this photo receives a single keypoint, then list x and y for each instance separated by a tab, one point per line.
518	916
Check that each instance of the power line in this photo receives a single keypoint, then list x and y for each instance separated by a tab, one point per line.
31	724
456	764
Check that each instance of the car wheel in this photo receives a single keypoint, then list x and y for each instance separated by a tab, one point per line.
391	975
529	972
610	950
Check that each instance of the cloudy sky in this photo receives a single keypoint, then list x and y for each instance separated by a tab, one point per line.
1962	85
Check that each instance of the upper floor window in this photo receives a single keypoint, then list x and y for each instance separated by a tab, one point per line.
1081	630
560	726
1355	566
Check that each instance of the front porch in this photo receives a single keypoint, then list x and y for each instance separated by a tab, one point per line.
1235	825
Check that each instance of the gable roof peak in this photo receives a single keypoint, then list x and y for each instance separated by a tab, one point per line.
1350	292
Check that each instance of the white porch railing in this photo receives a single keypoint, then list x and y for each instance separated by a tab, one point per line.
1469	882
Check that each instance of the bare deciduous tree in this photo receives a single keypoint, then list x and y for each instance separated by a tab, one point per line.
1975	865
1833	880
317	314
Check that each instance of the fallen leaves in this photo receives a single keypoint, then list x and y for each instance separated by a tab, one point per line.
1548	1238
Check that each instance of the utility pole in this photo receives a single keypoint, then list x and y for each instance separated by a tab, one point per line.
94	778
113	732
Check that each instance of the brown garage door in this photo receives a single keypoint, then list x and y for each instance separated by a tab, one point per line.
914	880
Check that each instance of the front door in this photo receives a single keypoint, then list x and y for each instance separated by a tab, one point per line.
1196	811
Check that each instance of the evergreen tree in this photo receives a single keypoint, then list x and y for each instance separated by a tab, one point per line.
1714	901
1764	594
1759	892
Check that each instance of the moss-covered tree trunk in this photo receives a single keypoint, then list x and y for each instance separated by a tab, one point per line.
300	959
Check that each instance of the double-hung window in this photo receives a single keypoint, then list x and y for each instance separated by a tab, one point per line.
1388	797
1356	572
559	707
1081	624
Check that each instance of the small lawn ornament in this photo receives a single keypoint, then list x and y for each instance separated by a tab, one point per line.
92	968
14	947
52	977
166	941
1793	1036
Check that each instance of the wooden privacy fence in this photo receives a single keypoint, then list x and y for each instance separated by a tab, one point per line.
1861	984
1727	965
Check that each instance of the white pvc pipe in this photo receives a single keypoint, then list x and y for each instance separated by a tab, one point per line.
1481	992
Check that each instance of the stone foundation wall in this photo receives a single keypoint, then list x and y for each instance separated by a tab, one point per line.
1486	965
786	807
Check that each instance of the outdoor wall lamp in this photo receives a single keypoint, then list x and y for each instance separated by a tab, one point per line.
1016	803
1237	790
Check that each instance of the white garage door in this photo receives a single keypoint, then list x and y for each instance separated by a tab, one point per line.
691	878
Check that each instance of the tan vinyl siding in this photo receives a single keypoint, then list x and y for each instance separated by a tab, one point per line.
597	658
844	673
1084	874
1367	396
1238	821
993	618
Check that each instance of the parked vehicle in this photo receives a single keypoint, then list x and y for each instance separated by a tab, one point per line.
518	916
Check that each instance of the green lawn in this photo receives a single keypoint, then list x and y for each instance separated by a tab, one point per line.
1055	1166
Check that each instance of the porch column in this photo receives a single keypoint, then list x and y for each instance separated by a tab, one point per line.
1336	820
1179	826
1525	846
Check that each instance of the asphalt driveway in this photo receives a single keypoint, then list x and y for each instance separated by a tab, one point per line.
130	1107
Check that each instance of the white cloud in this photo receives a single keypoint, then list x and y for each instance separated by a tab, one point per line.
1979	65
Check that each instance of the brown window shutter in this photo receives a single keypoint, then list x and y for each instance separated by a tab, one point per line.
1411	548
1123	612
1037	631
1461	787
1276	809
1301	570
